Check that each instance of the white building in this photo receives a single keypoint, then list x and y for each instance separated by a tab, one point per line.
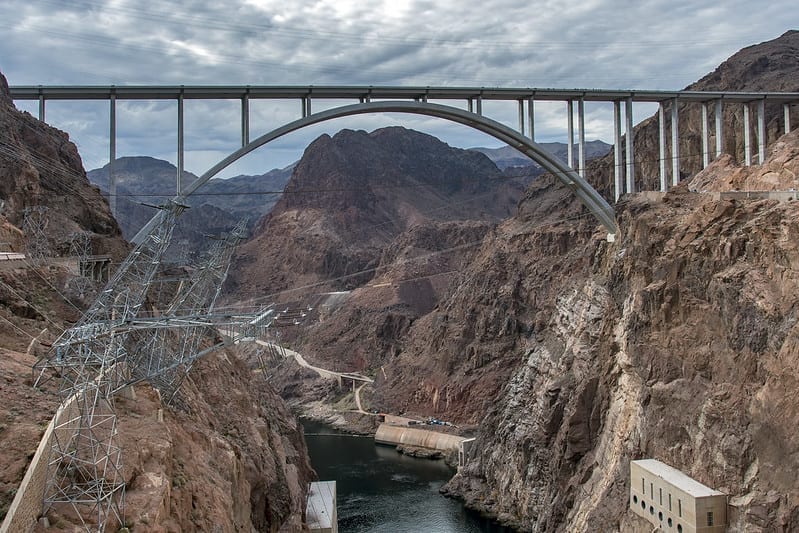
672	501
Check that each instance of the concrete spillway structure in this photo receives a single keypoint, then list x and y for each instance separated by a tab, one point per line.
420	438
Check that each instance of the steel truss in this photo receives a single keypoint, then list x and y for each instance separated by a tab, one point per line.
34	226
84	475
164	356
80	247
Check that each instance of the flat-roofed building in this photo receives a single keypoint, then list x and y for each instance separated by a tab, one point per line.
671	500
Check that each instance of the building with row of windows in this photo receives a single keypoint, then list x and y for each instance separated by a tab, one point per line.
672	501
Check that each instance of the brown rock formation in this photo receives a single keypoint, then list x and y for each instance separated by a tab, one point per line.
351	195
676	342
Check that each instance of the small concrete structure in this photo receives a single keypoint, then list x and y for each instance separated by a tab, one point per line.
95	267
463	451
781	196
320	512
672	501
420	438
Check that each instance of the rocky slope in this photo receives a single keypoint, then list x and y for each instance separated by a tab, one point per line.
351	195
231	459
678	341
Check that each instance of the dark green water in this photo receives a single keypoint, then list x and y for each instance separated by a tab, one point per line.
380	490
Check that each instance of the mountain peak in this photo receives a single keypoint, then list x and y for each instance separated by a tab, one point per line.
768	66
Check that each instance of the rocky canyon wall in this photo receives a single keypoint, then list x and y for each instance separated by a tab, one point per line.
679	341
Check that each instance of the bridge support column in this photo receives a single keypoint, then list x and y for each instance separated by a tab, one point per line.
719	127
747	136
662	145
112	154
786	112
41	108
479	105
570	128
245	120
305	103
617	169
628	118
761	131
581	137
705	137
675	142
531	117
521	117
179	182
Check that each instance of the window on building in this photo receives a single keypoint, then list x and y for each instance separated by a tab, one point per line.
643	487
661	495
670	522
651	490
679	507
635	498
679	528
669	502
710	518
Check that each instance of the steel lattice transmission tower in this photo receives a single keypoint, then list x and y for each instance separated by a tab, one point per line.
80	247
85	470
164	357
35	227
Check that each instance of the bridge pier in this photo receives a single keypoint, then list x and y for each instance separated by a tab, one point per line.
719	127
570	133
705	137
675	142
112	154
245	119
181	152
662	145
581	137
628	118
786	112
531	117
761	131
617	169
747	136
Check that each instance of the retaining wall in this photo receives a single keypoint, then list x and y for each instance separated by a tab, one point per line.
422	438
26	508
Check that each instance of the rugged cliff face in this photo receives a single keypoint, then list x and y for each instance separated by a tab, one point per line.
351	195
232	458
678	342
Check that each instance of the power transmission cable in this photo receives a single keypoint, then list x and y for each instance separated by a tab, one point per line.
207	23
36	271
17	327
44	315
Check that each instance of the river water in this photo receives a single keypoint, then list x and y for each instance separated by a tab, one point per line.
382	491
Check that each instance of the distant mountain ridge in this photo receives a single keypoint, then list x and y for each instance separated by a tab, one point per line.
216	207
506	156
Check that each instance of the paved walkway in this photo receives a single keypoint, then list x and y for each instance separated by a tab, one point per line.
321	371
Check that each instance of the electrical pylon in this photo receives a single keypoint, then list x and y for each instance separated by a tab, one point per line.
80	247
85	468
35	227
164	357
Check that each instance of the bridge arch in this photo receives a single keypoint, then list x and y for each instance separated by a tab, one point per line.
597	205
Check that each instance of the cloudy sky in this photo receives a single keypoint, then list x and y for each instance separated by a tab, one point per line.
613	44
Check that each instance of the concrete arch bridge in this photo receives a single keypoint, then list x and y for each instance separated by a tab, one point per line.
417	100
